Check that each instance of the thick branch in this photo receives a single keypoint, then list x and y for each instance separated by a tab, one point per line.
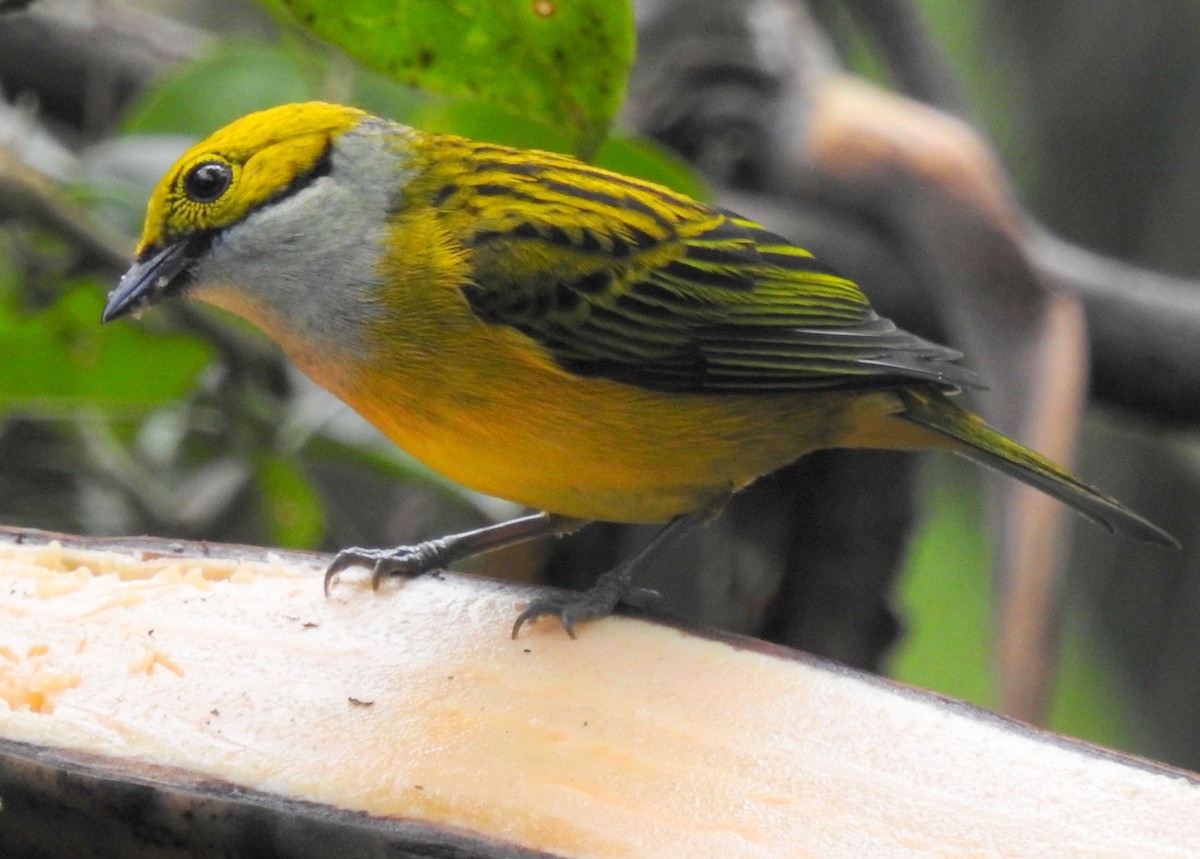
1144	327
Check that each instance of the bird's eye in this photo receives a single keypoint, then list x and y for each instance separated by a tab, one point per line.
207	181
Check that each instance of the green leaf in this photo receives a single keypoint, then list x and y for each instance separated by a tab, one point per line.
647	160
480	120
388	463
1092	700
560	61
945	596
226	83
294	513
55	359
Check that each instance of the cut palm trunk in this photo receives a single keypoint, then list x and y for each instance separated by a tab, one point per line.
165	699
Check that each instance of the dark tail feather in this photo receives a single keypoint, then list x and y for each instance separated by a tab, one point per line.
984	445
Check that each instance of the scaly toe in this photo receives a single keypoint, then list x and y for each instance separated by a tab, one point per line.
405	561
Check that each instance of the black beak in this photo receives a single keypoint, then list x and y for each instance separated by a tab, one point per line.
147	281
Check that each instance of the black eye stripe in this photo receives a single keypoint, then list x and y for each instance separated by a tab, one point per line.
207	181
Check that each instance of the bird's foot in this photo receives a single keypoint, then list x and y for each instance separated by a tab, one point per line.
406	561
612	589
409	561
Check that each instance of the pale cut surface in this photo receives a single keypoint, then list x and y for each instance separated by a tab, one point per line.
637	739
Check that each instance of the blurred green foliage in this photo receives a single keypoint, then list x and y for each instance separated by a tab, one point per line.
944	594
57	357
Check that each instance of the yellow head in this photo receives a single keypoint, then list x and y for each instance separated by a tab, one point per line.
241	167
233	220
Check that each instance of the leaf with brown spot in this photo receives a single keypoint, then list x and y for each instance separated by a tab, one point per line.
561	63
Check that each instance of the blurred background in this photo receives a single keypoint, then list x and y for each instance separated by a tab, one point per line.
948	154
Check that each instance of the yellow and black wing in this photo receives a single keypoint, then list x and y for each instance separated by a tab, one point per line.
629	281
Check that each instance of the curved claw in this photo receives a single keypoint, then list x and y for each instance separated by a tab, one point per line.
542	606
343	560
401	561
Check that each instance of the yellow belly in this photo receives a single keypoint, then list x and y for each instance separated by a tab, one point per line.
600	454
514	426
484	406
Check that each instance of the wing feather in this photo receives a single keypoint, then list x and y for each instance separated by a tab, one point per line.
628	281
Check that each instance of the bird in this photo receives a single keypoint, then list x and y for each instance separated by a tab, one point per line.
590	345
